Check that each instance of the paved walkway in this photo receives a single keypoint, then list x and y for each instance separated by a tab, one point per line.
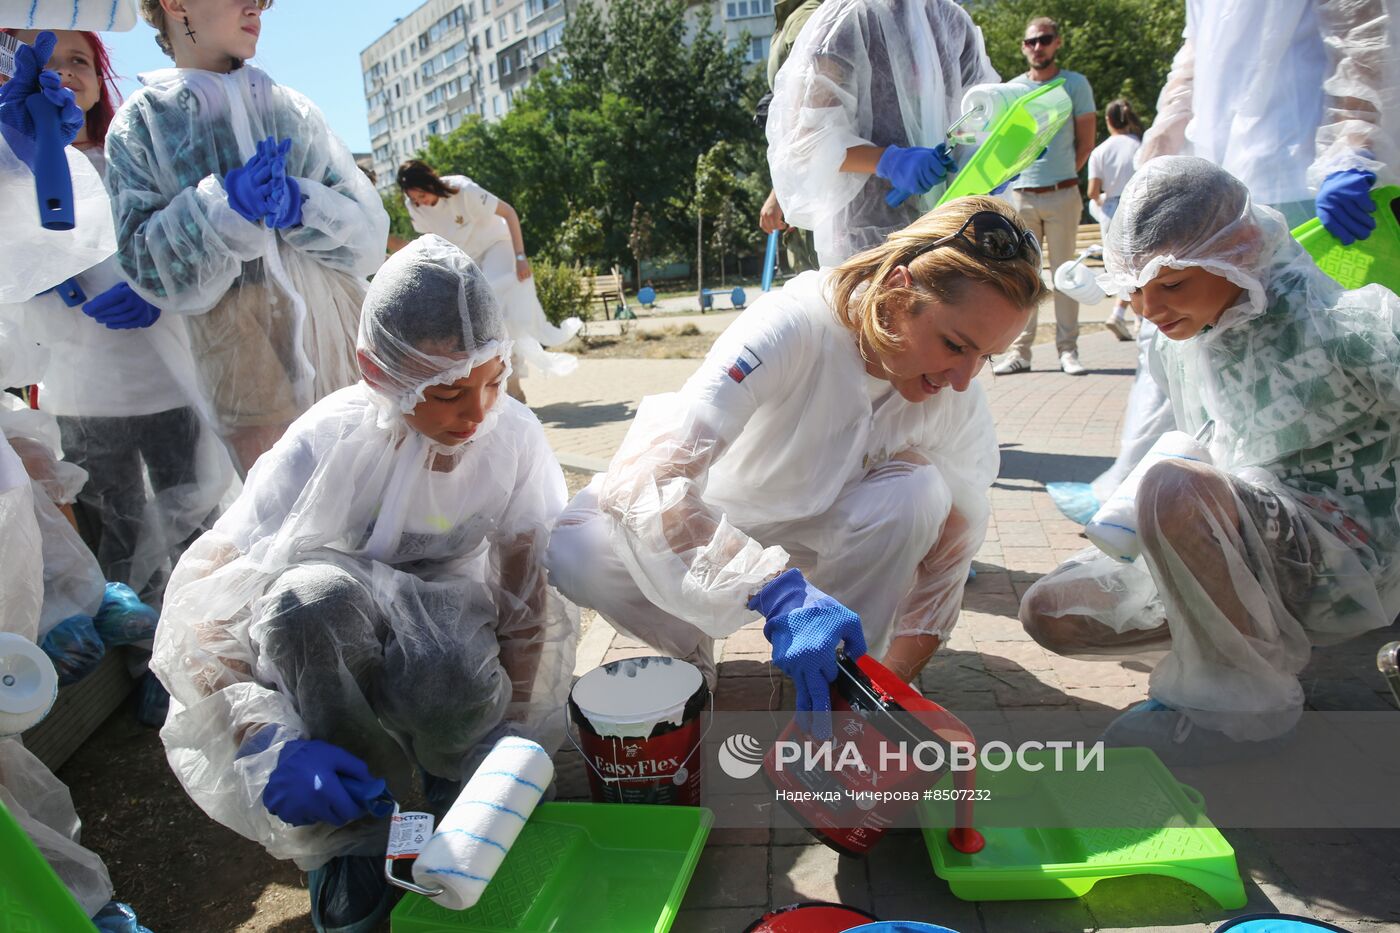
1051	427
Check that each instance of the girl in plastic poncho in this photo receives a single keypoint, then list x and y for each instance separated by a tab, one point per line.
374	602
1290	539
860	109
124	414
834	437
488	230
239	210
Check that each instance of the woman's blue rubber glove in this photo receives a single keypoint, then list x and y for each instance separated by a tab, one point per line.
250	189
284	194
317	782
31	79
805	627
913	170
120	308
1344	205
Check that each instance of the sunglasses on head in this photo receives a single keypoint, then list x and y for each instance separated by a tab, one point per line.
1033	41
991	236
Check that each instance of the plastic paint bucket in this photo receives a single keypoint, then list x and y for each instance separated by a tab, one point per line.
901	926
888	712
639	730
28	684
810	917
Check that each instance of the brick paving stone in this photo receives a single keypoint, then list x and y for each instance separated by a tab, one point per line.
729	920
1014	656
1068	916
816	873
730	876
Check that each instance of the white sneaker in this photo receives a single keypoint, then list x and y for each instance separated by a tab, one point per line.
1069	362
1119	328
1012	363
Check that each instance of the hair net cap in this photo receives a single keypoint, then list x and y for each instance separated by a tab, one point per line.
429	318
1181	211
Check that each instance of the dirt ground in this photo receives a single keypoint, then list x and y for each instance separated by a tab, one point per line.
684	342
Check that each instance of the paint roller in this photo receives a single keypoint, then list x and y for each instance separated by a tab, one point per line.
28	684
85	15
982	105
460	859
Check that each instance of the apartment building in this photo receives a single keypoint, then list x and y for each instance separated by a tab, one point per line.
449	59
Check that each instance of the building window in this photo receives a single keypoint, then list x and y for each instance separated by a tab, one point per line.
505	66
491	71
488	37
758	49
515	20
496	104
501	29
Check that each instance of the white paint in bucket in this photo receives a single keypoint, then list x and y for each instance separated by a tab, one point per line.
631	698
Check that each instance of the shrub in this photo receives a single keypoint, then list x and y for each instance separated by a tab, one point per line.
562	291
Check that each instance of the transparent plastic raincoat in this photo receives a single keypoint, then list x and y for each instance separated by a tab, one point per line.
781	451
370	587
469	220
129	412
271	313
1291	539
866	73
1282	93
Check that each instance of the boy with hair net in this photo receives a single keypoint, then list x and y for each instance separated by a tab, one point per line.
1289	540
374	603
239	210
860	112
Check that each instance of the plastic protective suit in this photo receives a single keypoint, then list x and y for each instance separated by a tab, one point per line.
370	587
781	451
126	403
73	582
1290	540
271	313
866	73
1281	93
38	800
469	220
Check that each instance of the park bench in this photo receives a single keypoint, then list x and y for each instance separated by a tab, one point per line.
606	289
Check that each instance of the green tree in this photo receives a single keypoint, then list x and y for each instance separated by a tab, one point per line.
399	224
1124	47
643	95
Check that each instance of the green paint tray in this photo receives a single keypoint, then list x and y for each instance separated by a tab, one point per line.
1374	260
32	898
1056	862
1014	141
581	868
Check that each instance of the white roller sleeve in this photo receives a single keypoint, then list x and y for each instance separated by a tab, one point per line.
475	835
1113	529
993	100
28	684
88	15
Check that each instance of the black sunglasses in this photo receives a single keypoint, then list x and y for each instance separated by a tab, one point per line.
991	236
1033	41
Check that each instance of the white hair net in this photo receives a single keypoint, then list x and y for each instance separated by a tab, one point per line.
429	318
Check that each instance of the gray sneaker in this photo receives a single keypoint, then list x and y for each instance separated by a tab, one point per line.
1012	363
1119	328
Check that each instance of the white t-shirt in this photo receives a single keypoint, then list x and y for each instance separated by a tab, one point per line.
1112	163
468	219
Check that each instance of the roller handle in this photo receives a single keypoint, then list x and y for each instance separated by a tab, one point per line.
53	186
770	259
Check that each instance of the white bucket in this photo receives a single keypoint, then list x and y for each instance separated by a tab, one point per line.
28	684
1078	281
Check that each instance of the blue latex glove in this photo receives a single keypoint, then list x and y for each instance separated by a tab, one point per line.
1344	205
117	917
123	619
805	627
31	80
251	189
317	782
289	214
913	170
120	308
74	647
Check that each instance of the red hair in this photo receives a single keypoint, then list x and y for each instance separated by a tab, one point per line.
99	117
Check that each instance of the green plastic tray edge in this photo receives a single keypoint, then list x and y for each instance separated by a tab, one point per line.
31	884
953	190
1319	243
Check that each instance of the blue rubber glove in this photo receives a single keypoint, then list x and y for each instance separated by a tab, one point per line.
913	170
123	619
74	647
120	308
30	80
805	627
1344	205
284	194
317	782
288	214
251	191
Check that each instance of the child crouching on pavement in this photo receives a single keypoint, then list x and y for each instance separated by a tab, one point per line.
1289	540
374	605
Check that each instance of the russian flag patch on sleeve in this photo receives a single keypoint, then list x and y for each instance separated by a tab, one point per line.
745	364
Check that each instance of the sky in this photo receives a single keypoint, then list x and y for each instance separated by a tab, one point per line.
310	45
